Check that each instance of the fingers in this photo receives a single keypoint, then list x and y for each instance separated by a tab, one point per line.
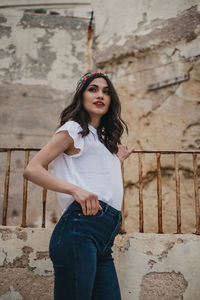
89	202
91	206
131	150
83	205
98	205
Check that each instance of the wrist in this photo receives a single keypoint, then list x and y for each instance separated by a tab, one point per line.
72	189
69	188
121	160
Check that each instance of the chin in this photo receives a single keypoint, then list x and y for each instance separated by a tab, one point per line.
98	112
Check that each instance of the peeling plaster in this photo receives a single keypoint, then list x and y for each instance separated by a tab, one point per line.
146	277
24	253
136	257
41	66
182	27
39	60
163	285
5	234
123	243
151	262
11	294
164	253
5	31
42	255
29	285
21	234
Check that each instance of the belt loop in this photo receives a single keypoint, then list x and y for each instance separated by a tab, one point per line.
106	207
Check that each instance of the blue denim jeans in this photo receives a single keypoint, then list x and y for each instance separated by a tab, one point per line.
80	250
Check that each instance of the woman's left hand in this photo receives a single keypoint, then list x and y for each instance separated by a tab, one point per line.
123	152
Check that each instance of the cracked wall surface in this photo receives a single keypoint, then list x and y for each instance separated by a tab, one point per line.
153	42
149	266
43	52
25	267
156	266
163	285
143	27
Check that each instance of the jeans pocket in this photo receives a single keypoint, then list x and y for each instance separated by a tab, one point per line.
78	214
100	213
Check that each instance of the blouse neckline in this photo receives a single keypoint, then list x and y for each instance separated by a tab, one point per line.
92	128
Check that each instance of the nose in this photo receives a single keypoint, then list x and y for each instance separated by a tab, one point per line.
100	94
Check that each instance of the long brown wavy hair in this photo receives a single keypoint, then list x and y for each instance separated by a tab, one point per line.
111	125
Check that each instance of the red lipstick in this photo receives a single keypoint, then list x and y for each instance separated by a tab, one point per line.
99	103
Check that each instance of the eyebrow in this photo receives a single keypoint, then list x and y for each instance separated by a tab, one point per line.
97	85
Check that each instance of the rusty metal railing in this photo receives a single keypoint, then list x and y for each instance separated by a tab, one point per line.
25	186
140	154
159	190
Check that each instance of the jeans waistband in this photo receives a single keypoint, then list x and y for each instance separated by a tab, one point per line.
105	206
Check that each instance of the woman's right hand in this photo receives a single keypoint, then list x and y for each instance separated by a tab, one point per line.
88	201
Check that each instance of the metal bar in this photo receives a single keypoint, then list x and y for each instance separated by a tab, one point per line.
25	186
44	198
89	37
159	194
6	188
196	193
122	227
2	149
141	215
178	200
168	82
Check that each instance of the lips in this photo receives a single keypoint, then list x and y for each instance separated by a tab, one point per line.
99	103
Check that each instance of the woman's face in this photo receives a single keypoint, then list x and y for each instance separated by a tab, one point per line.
96	98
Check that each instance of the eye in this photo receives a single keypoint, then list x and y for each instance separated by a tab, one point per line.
107	92
92	89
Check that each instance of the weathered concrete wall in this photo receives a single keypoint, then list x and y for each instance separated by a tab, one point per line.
155	266
25	268
137	43
140	43
149	266
43	52
42	55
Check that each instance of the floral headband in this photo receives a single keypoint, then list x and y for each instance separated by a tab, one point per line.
85	77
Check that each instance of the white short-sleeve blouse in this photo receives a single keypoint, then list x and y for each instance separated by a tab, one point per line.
94	168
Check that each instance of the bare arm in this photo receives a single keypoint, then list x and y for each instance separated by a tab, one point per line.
36	172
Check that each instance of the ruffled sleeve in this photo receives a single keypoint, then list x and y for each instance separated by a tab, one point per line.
73	129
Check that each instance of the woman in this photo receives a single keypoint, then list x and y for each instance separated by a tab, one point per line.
87	159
